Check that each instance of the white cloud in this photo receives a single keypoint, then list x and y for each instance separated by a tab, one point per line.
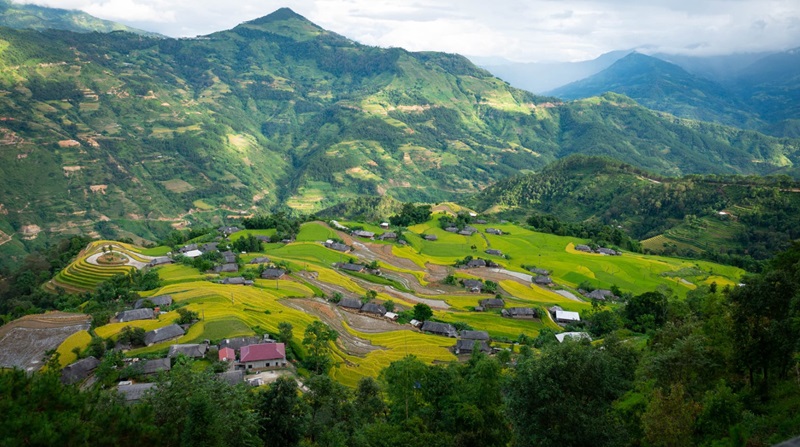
521	30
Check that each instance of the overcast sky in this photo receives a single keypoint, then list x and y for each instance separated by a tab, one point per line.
518	30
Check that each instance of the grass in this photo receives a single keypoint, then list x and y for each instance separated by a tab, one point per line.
177	273
314	231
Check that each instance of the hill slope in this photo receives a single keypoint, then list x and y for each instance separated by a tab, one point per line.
127	136
24	16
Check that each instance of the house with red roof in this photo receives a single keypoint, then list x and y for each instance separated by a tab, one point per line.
227	355
264	355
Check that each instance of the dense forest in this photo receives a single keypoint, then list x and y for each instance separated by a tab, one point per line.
716	369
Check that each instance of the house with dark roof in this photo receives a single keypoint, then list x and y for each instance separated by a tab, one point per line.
209	247
227	355
78	371
237	342
227	231
601	294
468	231
473	285
264	355
494	252
260	260
388	235
543	280
136	314
430	237
480	221
229	257
134	392
350	303
451	229
467	346
226	268
161	260
237	281
519	312
474	335
163	334
188	248
373	309
338	246
584	248
232	378
351	267
493	303
162	301
365	234
608	251
433	327
273	274
476	263
494	231
193	350
154	366
539	271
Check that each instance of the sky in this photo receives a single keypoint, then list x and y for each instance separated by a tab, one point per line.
516	30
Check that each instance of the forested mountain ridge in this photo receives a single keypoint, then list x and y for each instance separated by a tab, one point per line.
124	135
28	16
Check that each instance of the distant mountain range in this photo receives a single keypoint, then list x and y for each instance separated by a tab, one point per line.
123	135
26	16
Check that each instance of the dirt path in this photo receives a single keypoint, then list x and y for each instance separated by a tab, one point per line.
333	317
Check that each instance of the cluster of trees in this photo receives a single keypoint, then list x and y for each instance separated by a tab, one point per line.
411	214
249	244
286	227
600	234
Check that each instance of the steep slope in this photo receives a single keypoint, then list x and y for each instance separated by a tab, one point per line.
660	85
24	16
772	85
129	136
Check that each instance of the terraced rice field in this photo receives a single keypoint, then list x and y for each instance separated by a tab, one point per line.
81	275
78	340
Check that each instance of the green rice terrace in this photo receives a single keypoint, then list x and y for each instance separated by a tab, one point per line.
419	271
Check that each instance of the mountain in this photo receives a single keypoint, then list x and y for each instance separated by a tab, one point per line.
539	77
120	135
772	85
722	216
660	85
24	16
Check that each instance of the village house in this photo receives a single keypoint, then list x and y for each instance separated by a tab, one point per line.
385	225
350	303
566	317
154	366
451	229
433	327
135	314
391	316
480	221
260	260
161	260
584	248
162	301
388	235
163	334
543	280
466	346
373	309
134	392
358	268
264	355
476	263
232	378
494	252
572	335
229	257
272	274
78	371
193	254
226	268
238	281
608	251
194	350
338	246
237	342
494	231
209	247
468	231
493	303
473	285
430	237
187	248
601	294
364	234
227	355
227	231
474	335
539	271
519	312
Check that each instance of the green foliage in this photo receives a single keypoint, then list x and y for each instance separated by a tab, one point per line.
186	316
317	340
248	244
422	312
411	214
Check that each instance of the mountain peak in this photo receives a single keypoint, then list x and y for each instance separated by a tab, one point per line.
279	15
285	22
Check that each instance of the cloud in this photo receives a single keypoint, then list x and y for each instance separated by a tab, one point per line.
520	30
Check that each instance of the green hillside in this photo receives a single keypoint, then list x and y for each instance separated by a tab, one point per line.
25	16
119	135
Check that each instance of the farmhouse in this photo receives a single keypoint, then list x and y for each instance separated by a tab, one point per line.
227	231
388	235
564	317
264	355
445	329
475	335
350	303
134	392
572	335
430	237
238	342
78	371
229	256
136	314
163	334
475	263
543	280
272	274
187	248
237	280
494	252
600	294
480	221
473	285
154	366
161	260
468	231
385	225
193	254
539	271
584	248
227	355
494	231
519	312
160	301
467	346
231	377
451	229
338	246
391	316
226	268
260	260
493	303
358	268
365	234
193	350
374	309
209	247
608	251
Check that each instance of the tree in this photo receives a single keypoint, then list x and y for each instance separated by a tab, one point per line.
186	316
669	419
285	333
282	413
422	312
389	305
646	311
317	340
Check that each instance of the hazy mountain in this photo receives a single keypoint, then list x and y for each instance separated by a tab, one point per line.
660	85
541	77
25	16
127	135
